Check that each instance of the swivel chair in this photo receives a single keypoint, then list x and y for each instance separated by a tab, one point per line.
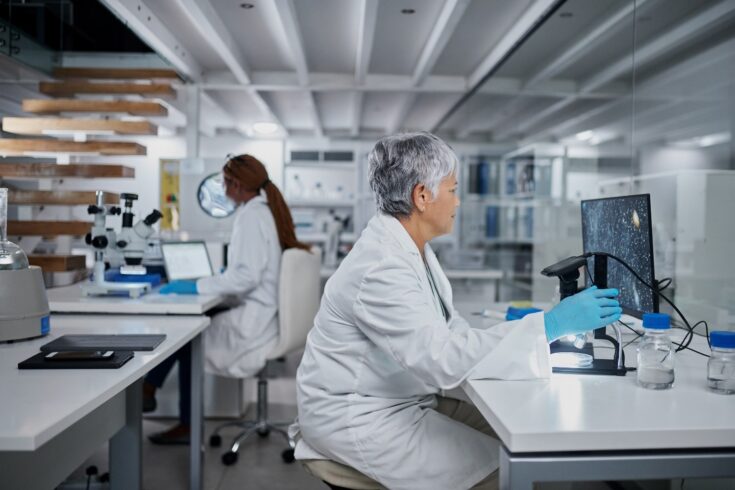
298	303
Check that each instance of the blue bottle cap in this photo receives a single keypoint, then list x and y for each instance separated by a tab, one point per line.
660	321
514	313
722	339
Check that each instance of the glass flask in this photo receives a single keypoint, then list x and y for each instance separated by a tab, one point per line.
12	257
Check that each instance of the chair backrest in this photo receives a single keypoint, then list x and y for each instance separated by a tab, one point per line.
298	298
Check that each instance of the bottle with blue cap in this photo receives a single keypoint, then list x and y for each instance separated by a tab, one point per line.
721	364
656	353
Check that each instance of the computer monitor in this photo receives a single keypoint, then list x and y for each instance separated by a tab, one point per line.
621	226
186	260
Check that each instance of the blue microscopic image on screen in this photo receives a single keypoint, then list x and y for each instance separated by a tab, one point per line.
621	226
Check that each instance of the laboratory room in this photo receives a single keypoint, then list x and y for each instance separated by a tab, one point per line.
367	244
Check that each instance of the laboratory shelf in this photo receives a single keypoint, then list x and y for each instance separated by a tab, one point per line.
320	203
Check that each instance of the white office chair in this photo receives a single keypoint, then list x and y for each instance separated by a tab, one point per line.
298	302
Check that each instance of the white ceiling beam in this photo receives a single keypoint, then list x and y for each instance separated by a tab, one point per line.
152	31
204	17
667	41
368	11
447	22
530	17
287	17
718	56
600	32
663	43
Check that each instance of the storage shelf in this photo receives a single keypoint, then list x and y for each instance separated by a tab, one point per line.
61	198
71	88
55	106
55	171
115	73
53	126
48	228
58	263
34	147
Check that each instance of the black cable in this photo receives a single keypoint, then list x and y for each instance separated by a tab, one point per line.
664	283
688	337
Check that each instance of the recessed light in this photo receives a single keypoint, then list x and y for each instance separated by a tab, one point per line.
566	15
247	6
265	127
585	135
408	11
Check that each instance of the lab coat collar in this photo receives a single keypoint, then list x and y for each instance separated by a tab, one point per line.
396	229
260	198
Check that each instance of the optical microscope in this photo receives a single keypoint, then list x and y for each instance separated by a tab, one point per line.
100	238
132	241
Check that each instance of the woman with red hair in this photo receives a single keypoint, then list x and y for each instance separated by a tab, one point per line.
239	339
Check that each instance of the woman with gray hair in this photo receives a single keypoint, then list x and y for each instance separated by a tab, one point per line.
387	341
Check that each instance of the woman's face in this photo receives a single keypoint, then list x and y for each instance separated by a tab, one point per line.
439	213
235	192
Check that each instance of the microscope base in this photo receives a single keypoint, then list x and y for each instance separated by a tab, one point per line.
132	289
607	367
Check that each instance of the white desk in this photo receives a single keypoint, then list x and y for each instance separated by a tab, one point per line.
69	299
585	427
51	420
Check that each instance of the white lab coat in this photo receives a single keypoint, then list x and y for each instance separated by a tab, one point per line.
238	340
378	354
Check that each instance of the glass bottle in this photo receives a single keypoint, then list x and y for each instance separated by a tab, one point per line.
297	190
721	364
12	257
656	353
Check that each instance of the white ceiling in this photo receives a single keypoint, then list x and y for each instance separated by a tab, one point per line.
356	68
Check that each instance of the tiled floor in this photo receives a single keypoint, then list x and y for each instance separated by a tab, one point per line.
259	465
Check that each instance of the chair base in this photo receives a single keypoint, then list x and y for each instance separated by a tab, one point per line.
261	426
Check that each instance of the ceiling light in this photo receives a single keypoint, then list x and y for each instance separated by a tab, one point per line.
265	127
246	6
408	11
585	135
714	139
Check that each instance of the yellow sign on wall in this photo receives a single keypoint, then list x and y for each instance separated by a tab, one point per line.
170	192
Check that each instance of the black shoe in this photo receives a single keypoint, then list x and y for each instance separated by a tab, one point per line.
177	436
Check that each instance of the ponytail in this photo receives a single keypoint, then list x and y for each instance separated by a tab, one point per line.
252	175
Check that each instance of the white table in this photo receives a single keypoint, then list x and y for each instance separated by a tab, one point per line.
69	299
51	420
585	427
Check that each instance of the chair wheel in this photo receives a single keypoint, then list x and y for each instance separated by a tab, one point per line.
215	440
229	458
263	432
287	456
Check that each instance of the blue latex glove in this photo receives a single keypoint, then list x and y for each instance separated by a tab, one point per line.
590	309
179	287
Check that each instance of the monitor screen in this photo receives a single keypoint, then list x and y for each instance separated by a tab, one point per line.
186	260
621	226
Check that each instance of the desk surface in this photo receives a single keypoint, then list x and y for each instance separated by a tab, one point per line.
591	413
40	404
69	299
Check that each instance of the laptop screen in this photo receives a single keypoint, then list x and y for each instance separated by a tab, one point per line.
186	260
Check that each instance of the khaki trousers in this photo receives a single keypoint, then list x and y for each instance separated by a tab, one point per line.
344	476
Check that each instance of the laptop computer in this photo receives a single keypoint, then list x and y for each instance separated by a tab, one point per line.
186	260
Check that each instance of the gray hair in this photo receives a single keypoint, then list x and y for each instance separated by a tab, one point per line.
400	162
